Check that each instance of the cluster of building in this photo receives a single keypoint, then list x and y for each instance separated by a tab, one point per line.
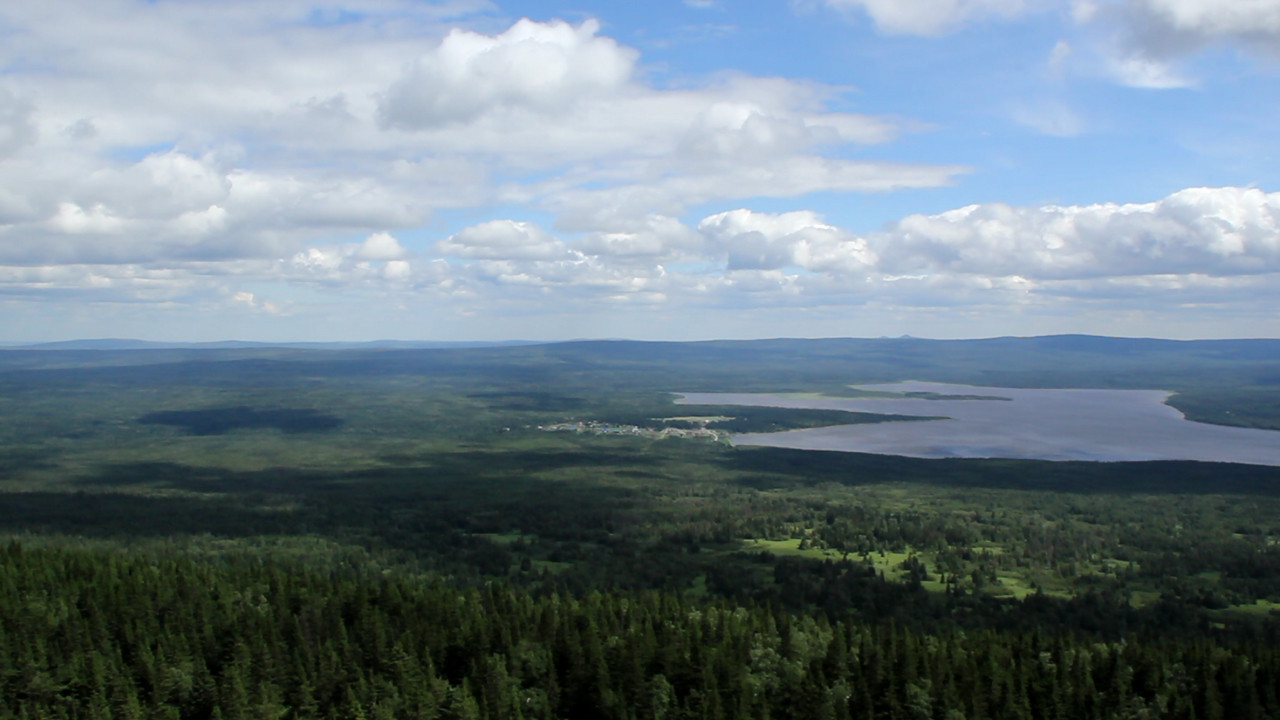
601	428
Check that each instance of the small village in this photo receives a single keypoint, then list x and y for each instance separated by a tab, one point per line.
595	427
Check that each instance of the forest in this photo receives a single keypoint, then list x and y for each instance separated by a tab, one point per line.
304	532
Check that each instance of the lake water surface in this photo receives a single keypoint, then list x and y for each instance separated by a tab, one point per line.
1047	424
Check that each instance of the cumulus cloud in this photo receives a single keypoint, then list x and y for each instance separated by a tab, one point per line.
654	236
1208	231
1199	239
543	67
173	205
504	240
760	241
380	246
72	219
188	148
1216	247
520	257
377	260
397	270
146	158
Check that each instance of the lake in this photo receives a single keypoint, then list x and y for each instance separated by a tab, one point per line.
1045	424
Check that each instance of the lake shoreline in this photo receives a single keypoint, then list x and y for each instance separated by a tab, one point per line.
1037	423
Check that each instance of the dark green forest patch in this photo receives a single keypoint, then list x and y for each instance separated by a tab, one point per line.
1172	477
218	421
528	400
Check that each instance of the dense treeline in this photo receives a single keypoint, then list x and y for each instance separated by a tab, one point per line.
776	527
87	634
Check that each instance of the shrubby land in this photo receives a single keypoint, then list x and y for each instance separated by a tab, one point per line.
275	532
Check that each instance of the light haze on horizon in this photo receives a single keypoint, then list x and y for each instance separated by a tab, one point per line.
305	170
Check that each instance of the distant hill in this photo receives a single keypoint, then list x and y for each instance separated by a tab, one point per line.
130	344
1231	382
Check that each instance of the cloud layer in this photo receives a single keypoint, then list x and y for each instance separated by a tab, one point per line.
992	253
285	159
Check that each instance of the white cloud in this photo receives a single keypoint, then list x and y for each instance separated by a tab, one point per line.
148	135
1201	239
75	220
397	270
201	223
1218	232
654	236
172	205
373	262
544	67
504	240
207	155
1202	247
760	241
380	246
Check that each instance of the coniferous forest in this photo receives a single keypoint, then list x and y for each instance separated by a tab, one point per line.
303	533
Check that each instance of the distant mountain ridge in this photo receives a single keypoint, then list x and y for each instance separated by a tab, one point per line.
131	344
1068	343
1233	382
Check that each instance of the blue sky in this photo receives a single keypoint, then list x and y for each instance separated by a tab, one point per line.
471	170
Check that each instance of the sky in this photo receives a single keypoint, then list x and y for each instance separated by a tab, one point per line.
304	170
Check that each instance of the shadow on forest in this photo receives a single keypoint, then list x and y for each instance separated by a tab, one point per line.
529	400
441	506
218	421
113	514
422	509
773	468
16	459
